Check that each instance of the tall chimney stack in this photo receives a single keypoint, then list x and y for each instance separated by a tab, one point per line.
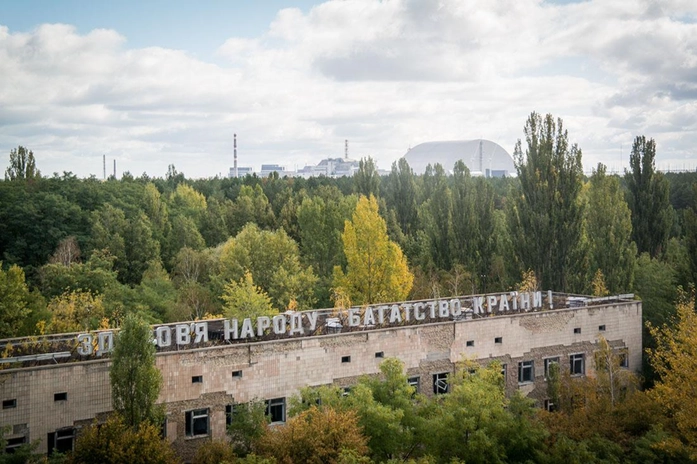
235	154
114	169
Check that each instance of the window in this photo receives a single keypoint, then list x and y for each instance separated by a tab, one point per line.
380	354
228	414
504	372
276	410
346	391
549	362
61	440
414	382
577	330
236	374
197	379
9	404
440	383
601	328
577	364
60	396
346	359
526	371
163	428
14	443
624	359
196	422
470	342
549	406
498	340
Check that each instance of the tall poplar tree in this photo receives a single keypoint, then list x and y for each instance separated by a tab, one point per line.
135	380
648	198
609	231
546	214
22	165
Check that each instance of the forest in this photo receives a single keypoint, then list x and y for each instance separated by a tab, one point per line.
82	254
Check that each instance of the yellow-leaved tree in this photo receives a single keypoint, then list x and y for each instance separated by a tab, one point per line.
376	269
675	361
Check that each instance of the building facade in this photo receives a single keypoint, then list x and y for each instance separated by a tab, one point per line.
209	366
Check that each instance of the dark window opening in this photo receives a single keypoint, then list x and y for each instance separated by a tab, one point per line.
13	444
624	359
549	406
549	362
414	382
61	441
526	371
577	364
380	354
236	374
9	404
504	372
470	342
196	422
63	396
577	330
601	328
498	340
197	379
346	359
346	391
276	410
440	383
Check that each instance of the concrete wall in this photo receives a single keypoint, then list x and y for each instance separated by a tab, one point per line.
279	369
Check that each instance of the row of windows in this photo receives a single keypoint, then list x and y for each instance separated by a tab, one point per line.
198	420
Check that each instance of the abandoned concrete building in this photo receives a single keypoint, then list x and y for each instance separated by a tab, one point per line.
50	387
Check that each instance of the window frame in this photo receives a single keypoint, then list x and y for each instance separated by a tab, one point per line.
191	417
526	366
441	386
575	358
271	405
548	361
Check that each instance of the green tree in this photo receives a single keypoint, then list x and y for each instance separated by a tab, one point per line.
648	197
243	299
118	442
273	258
75	311
401	196
366	180
376	269
609	230
675	361
315	436
22	165
436	215
14	301
546	214
135	380
247	427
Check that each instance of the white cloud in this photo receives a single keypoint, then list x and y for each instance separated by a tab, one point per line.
386	75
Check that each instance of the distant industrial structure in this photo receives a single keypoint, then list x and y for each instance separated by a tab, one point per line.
329	167
482	157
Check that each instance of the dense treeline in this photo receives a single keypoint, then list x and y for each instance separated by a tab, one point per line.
82	253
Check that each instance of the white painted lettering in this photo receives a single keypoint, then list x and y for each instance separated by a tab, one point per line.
395	314
354	317
163	335
477	304
183	334
263	323
230	330
312	318
525	301
84	347
537	300
296	324
369	316
443	309
201	331
279	324
247	330
381	314
419	314
490	303
105	342
455	307
503	303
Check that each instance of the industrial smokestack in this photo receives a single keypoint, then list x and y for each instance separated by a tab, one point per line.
114	169
235	154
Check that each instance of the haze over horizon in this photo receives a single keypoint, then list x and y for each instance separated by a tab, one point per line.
168	82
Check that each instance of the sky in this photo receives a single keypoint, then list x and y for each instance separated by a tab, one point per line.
154	83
